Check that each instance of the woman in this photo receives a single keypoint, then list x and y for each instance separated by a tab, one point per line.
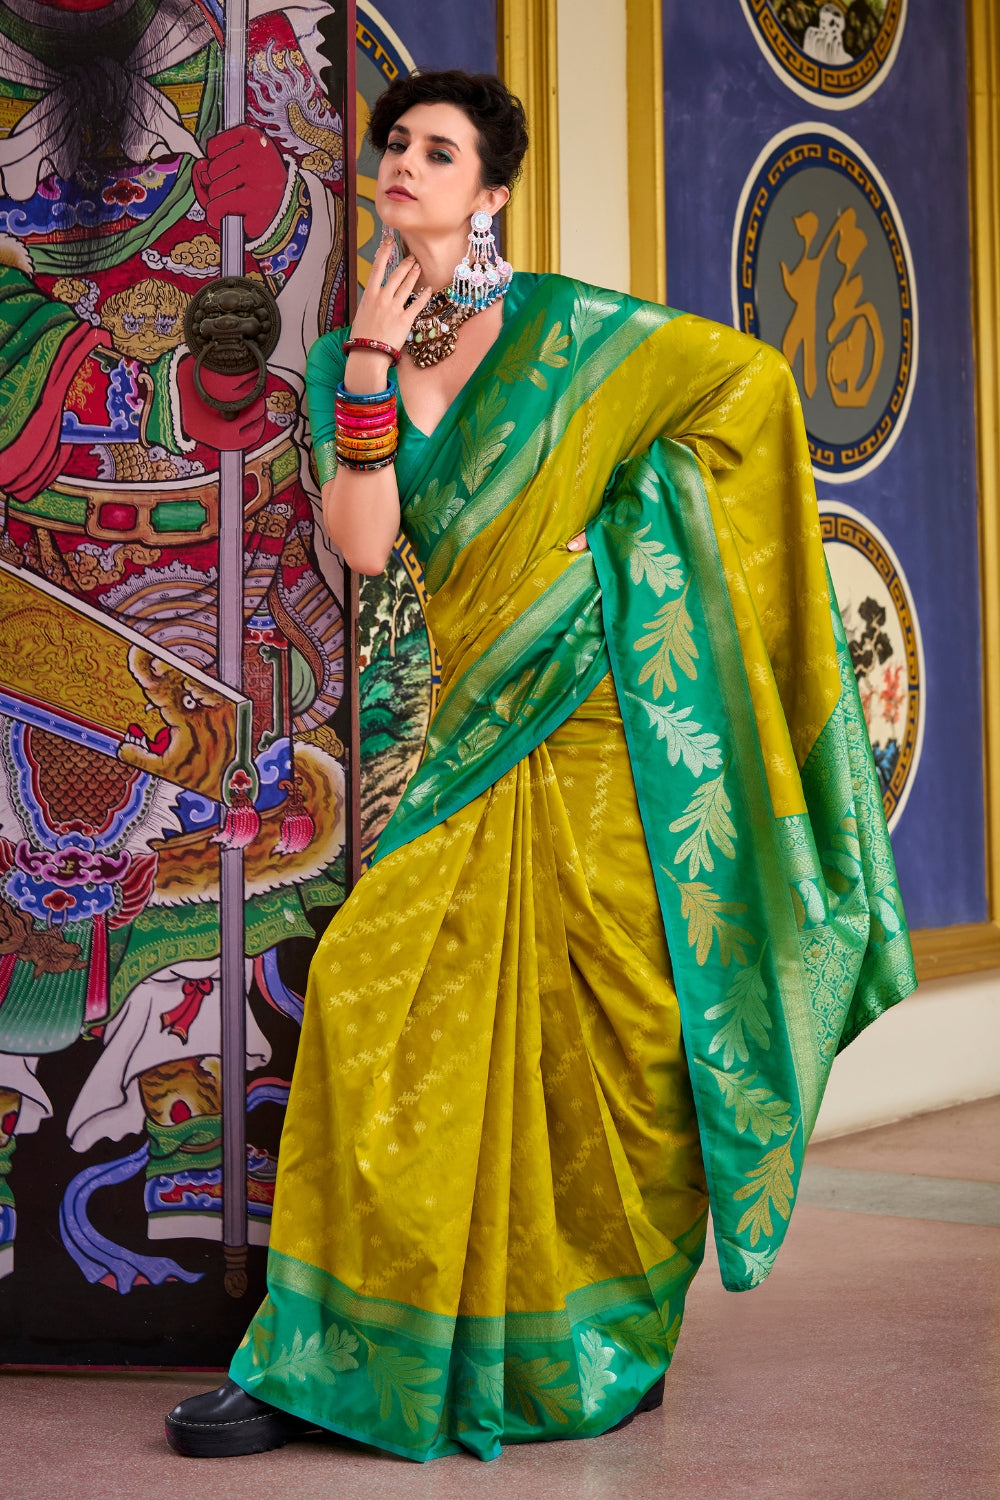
639	890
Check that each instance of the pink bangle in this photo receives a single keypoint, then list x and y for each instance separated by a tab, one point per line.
362	424
375	346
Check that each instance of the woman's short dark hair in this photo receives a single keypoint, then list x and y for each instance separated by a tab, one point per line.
487	102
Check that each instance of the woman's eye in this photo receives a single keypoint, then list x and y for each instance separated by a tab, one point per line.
440	156
396	146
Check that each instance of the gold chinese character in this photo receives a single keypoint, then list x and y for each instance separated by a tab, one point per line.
851	317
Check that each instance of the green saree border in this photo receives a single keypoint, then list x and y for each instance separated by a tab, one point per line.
781	941
533	677
583	377
422	1384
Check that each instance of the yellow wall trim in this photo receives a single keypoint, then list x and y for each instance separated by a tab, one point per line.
527	52
646	190
941	952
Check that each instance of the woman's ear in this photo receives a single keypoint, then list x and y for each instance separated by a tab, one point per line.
493	199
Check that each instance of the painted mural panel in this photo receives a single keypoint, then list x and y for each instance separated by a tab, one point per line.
817	197
129	760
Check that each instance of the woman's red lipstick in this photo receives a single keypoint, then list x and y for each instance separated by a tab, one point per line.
399	192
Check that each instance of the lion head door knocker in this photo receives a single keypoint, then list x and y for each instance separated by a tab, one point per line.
231	327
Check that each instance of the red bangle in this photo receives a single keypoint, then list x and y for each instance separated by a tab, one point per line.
375	346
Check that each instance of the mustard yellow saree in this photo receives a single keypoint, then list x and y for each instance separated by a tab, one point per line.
636	896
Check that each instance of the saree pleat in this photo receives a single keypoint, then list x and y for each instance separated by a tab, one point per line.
490	1130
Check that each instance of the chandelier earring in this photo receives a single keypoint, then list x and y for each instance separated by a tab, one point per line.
479	280
483	275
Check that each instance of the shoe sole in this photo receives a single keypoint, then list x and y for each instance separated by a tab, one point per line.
259	1434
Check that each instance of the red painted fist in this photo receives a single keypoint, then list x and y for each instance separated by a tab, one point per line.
243	173
204	424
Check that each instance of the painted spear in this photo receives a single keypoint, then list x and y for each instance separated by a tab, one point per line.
230	667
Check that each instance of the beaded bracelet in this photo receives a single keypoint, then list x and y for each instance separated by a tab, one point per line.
376	346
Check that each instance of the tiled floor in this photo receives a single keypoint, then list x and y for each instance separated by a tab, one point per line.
867	1366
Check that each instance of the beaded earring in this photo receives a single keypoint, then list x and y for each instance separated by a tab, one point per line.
483	275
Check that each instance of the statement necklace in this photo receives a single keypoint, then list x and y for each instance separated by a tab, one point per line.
434	333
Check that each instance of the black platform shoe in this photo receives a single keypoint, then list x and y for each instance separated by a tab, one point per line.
228	1421
649	1402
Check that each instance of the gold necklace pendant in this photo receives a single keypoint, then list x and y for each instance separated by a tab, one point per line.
434	334
433	350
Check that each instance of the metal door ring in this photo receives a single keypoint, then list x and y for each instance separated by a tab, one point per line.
231	327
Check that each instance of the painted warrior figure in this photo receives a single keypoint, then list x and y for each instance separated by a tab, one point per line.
114	179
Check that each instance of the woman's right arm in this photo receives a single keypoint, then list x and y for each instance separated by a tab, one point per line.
361	508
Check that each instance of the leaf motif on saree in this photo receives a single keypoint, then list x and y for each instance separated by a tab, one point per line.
685	741
487	1381
588	316
640	1334
528	1384
595	1370
318	1357
480	737
263	1332
531	349
707	815
743	1007
706	915
483	437
670	633
771	1180
401	1375
514	698
644	560
431	512
756	1109
758	1263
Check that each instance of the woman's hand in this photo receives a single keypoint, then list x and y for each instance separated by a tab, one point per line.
577	543
383	313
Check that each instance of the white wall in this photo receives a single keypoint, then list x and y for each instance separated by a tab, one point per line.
942	1046
939	1047
593	142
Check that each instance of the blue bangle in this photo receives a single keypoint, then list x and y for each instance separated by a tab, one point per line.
366	400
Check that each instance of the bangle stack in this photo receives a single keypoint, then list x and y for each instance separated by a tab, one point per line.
367	433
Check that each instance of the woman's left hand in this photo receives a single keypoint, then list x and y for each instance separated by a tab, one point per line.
578	543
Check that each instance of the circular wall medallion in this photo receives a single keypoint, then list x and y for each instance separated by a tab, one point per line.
834	52
822	270
880	621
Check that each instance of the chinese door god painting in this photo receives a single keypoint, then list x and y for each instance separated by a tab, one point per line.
130	762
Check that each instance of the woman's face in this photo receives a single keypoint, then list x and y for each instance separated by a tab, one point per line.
429	180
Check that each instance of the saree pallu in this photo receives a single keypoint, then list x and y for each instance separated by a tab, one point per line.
637	894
